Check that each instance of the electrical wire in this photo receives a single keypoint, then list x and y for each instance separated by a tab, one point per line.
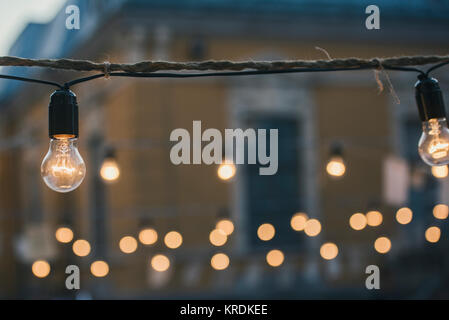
226	74
439	65
71	83
4	76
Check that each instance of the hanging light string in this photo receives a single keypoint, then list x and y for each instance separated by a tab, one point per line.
64	171
149	69
222	65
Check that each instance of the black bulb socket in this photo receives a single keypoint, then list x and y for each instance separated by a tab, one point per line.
336	149
109	153
63	115
429	99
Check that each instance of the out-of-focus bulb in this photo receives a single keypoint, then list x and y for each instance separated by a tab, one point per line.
440	172
433	145
63	168
110	170
336	166
226	170
225	225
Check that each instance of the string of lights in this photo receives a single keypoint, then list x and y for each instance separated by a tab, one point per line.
63	169
148	235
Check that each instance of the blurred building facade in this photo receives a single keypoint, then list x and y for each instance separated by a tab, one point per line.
311	111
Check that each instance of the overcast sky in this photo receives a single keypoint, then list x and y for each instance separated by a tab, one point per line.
16	14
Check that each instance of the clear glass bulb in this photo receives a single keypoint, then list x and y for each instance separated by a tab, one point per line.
63	168
433	145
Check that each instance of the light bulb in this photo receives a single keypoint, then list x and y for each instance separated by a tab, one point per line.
336	166
109	170
433	145
226	170
63	168
440	172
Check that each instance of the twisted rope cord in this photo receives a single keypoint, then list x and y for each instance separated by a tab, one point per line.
153	66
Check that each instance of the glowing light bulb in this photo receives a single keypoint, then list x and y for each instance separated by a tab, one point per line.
440	172
441	211
160	263
433	145
266	232
358	221
226	226
148	236
329	251
173	239
128	244
40	268
336	167
226	170
298	221
433	234
64	235
382	245
218	237
374	218
312	227
63	168
275	258
110	170
219	261
404	215
99	269
81	247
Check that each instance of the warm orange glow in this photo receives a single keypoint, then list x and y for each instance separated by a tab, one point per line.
298	221
374	218
382	245
148	236
266	232
173	239
226	226
275	258
440	172
433	234
81	248
41	268
109	170
404	215
336	167
219	261
441	211
128	244
312	228
226	170
160	263
99	269
217	237
64	235
329	251
357	221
